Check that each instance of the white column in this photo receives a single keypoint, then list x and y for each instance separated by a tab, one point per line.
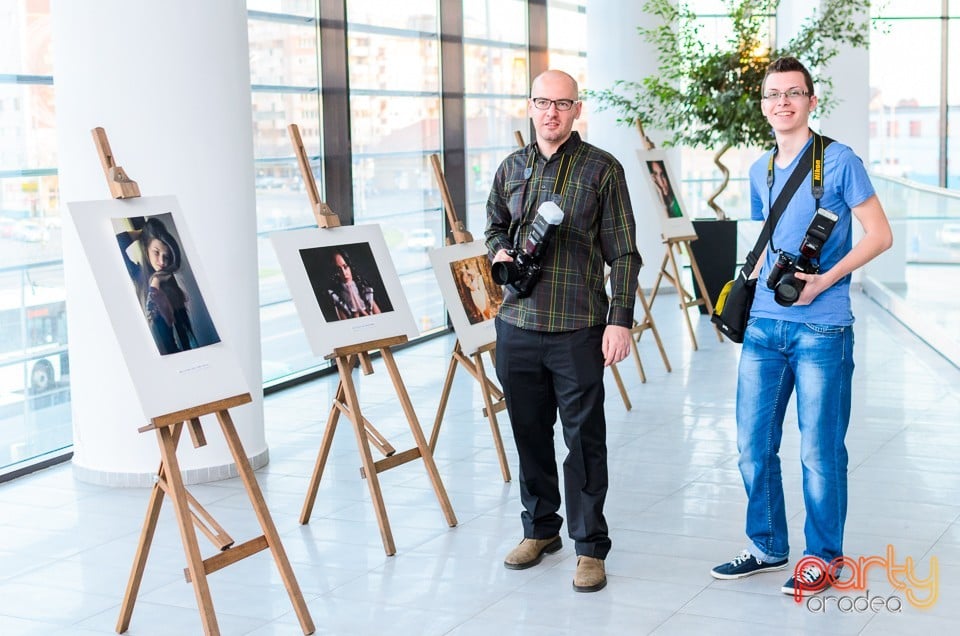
170	83
615	51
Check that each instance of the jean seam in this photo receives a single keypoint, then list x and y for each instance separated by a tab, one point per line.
768	486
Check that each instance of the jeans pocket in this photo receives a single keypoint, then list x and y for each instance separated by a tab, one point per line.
825	330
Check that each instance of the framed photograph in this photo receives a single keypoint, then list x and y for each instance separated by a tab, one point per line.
151	280
472	298
664	196
164	284
344	286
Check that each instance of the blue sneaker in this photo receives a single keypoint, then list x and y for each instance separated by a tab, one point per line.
812	580
745	564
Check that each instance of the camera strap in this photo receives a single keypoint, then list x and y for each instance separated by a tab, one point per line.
559	186
810	161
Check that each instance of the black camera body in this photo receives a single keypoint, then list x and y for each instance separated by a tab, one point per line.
782	279
522	273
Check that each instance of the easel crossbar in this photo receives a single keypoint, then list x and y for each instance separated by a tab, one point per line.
231	556
202	519
393	461
177	417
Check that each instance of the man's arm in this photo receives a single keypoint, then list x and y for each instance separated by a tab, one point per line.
877	238
497	232
618	243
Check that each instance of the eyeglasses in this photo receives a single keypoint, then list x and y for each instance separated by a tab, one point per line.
542	103
793	93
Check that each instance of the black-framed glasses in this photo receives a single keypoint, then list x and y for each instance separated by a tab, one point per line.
542	103
791	94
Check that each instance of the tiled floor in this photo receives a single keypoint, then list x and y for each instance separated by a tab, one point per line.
675	509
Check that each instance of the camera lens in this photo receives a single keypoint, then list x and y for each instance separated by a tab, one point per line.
788	290
505	272
786	295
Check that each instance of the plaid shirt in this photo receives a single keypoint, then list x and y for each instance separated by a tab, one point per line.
597	228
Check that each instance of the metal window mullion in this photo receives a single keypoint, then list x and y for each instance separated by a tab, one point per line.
537	45
335	116
452	108
944	92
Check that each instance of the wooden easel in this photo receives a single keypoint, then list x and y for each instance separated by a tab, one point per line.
679	244
346	400
635	332
493	400
187	509
639	326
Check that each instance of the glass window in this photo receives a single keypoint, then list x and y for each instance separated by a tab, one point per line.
393	53
496	71
284	74
701	175
34	367
567	42
905	97
289	7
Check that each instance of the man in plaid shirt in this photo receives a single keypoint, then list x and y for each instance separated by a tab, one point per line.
552	345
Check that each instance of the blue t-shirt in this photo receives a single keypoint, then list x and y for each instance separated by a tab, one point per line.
846	185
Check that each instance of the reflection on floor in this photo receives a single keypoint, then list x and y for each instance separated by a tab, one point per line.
675	509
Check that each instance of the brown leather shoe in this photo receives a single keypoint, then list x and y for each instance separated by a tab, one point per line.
589	576
530	552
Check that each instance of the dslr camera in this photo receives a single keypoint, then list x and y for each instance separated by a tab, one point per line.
522	273
782	279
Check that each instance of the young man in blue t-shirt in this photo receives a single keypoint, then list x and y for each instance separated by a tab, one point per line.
807	345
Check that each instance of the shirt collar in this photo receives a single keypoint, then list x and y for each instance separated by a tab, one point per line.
568	147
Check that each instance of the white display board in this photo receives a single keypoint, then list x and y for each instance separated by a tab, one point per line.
472	298
344	286
664	196
162	309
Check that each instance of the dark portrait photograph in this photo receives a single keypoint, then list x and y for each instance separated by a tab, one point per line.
664	189
166	288
346	281
479	294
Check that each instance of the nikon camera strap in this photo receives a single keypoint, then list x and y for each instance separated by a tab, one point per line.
811	160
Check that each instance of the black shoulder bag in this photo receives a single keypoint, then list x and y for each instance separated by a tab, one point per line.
733	305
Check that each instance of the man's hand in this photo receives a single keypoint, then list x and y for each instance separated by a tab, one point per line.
815	283
616	344
502	256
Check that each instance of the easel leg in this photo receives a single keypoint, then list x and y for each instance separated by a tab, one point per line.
143	551
444	396
425	453
682	293
266	521
703	290
650	324
620	387
663	269
636	356
198	575
322	455
366	459
491	416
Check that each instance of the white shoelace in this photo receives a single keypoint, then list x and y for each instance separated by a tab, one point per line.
811	574
741	558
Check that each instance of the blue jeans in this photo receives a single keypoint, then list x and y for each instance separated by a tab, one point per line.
817	360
